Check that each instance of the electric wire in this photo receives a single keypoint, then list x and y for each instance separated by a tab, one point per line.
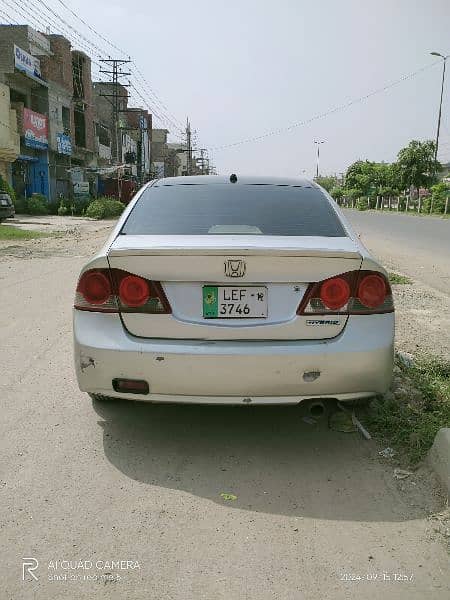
327	113
91	49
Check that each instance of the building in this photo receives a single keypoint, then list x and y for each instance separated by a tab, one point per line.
121	178
72	143
139	128
83	153
159	152
21	49
9	137
57	70
108	128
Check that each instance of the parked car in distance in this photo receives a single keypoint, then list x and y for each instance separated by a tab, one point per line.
233	290
6	206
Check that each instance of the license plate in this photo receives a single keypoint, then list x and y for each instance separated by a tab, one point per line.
4	202
221	302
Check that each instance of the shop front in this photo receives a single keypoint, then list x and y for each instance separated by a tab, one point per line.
30	170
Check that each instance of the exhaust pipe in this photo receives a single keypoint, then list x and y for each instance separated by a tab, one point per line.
316	409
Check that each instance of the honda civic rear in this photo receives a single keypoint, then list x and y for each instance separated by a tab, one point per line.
221	291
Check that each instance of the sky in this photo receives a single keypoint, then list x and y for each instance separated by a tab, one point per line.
241	68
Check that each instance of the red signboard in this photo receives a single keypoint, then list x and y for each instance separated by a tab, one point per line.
35	129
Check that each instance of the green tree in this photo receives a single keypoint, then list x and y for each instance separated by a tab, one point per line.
367	178
416	164
359	178
327	182
337	192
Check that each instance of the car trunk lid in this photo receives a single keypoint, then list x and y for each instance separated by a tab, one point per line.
185	265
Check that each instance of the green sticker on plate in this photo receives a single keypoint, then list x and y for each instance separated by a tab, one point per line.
210	301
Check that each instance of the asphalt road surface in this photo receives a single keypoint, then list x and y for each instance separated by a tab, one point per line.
203	502
407	242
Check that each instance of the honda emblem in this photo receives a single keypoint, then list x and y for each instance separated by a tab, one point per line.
235	268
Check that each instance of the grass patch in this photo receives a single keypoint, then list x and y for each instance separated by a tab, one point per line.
409	418
9	232
397	279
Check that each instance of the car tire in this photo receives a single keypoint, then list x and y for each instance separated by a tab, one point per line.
100	398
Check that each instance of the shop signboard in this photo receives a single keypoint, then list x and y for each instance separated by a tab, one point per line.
35	129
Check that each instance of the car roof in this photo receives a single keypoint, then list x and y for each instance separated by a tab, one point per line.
241	179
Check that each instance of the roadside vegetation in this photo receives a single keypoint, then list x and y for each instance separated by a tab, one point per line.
414	180
397	279
408	417
10	232
104	208
100	208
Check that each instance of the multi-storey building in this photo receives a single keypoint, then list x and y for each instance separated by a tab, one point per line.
9	137
59	132
21	49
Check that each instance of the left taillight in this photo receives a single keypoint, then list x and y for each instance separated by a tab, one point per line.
95	292
352	293
114	290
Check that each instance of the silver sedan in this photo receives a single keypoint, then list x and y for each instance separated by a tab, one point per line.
232	290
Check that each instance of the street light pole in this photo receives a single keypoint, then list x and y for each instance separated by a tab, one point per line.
318	142
444	60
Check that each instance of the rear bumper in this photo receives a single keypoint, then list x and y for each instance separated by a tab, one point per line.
357	363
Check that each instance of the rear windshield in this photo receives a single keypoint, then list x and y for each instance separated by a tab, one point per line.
196	209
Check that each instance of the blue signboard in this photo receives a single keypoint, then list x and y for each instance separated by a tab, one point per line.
64	143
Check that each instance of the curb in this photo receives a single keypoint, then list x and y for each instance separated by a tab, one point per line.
439	456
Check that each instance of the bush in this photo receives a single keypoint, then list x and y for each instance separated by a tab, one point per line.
62	209
37	205
337	192
80	205
361	204
436	201
21	206
104	208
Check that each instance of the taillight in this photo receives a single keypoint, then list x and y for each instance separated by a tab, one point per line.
95	287
335	293
114	290
134	291
95	292
372	291
355	292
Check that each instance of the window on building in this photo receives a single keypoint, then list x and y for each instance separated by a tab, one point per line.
80	127
17	97
103	134
66	119
77	74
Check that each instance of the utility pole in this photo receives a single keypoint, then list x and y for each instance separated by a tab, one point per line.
318	142
203	159
115	73
188	147
444	60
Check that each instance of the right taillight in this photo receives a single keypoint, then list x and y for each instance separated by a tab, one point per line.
372	291
114	290
355	292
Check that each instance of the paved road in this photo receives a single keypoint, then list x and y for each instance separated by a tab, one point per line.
142	483
408	242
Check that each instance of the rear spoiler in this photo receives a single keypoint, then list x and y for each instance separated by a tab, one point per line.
143	245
